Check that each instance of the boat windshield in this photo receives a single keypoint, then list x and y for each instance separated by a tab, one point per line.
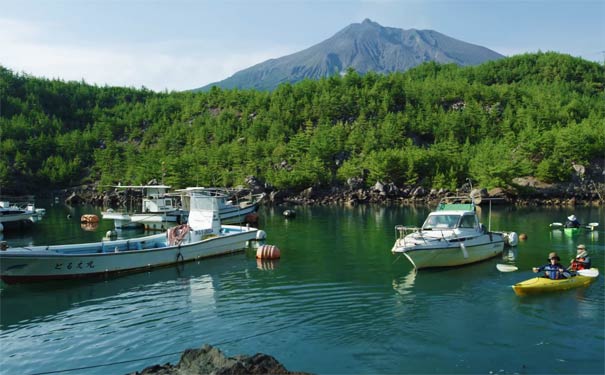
441	221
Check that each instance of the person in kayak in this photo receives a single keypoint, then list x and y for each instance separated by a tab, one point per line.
572	222
582	260
553	270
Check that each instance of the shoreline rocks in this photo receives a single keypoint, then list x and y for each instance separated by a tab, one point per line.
527	191
210	360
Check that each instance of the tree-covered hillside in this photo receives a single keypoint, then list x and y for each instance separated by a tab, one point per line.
434	125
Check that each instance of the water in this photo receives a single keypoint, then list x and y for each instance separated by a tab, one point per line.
337	302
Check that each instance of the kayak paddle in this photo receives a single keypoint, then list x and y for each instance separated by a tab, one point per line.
591	226
506	267
593	272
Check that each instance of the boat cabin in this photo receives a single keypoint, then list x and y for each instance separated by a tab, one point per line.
155	199
443	220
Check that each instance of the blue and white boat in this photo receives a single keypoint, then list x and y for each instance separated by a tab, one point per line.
203	236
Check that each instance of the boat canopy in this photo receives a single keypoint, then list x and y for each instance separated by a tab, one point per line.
455	207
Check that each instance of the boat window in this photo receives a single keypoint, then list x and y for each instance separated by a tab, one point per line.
441	222
468	221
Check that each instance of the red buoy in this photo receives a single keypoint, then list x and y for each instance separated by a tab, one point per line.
268	252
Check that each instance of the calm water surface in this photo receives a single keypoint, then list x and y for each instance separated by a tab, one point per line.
337	302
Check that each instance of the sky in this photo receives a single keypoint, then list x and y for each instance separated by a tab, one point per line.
174	45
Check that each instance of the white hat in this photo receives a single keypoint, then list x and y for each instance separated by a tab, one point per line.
582	254
572	217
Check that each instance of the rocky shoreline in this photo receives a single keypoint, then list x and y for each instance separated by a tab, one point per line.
527	191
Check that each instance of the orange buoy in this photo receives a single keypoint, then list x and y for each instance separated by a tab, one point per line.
268	252
89	227
523	236
89	218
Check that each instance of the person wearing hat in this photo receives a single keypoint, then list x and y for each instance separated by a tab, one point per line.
582	260
553	270
572	222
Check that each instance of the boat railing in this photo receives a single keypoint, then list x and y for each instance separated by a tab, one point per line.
447	234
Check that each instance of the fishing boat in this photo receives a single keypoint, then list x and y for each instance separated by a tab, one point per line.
159	211
160	208
538	285
18	215
233	209
203	236
452	235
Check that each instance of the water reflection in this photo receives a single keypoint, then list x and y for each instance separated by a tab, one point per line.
510	254
26	302
405	284
266	264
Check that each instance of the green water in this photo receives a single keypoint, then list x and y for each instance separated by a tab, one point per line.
337	302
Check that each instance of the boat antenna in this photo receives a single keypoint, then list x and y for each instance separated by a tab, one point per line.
163	171
489	217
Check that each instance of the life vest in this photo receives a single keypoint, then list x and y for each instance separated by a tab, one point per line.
578	264
552	271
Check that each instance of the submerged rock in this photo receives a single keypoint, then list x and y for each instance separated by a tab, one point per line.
210	360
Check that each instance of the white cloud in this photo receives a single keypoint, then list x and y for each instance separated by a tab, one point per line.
118	65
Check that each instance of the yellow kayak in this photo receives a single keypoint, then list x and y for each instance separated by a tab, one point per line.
543	284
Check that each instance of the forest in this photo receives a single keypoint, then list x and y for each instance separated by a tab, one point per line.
434	126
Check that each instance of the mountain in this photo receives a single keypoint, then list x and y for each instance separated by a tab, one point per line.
365	46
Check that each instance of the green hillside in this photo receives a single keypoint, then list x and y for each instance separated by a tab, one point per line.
434	125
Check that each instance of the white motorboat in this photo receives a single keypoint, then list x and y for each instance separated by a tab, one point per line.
233	210
450	236
12	216
159	210
203	236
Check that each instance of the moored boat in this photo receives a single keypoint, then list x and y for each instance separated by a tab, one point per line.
538	285
158	211
233	210
18	215
160	208
450	236
203	236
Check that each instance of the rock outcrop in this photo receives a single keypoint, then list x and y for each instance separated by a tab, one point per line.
209	360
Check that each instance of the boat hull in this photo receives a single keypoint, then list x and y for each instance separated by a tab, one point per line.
16	220
452	253
84	260
163	221
539	285
120	220
237	215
